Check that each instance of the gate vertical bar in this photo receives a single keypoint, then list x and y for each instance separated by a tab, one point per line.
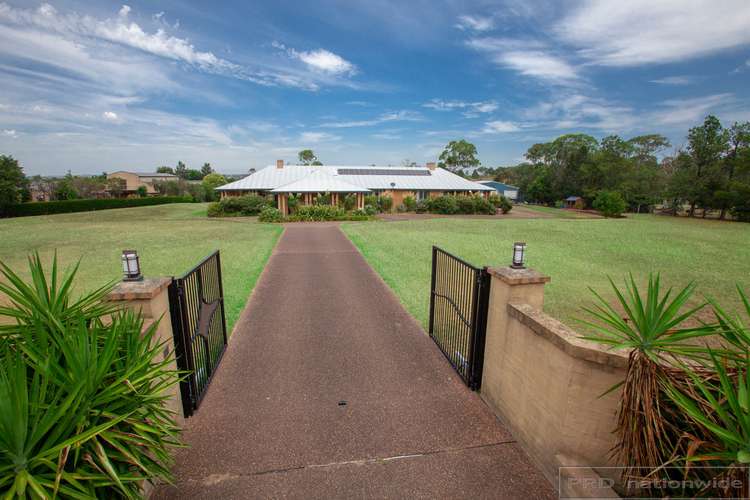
221	297
480	326
432	290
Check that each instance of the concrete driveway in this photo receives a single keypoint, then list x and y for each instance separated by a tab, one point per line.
329	389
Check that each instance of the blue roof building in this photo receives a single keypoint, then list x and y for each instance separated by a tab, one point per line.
510	192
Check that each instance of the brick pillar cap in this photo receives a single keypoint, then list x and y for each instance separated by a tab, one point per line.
518	276
138	290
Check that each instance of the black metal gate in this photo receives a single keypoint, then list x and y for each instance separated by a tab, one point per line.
196	302
459	297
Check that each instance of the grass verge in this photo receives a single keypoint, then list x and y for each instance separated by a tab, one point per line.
576	253
170	240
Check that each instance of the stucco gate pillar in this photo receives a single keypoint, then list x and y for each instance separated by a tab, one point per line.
150	298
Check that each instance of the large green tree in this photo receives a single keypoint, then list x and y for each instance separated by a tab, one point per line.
707	145
307	157
736	170
181	170
13	182
206	169
459	155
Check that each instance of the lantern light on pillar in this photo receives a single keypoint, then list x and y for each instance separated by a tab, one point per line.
519	255
131	266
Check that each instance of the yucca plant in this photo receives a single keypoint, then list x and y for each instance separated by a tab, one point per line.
720	404
732	327
653	329
82	393
727	419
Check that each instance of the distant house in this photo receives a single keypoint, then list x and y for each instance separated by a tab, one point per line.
307	181
510	192
41	190
134	180
575	202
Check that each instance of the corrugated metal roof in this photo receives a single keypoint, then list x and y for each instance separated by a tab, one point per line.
320	182
439	179
499	185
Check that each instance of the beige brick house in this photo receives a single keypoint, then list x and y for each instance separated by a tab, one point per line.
308	181
134	180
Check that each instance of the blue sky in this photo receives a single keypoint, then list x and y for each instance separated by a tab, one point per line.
97	86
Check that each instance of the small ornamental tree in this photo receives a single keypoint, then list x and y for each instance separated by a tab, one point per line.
13	182
211	182
609	203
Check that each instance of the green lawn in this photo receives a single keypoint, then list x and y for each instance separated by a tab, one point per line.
576	253
170	240
558	212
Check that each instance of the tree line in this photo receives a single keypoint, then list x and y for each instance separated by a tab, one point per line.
16	187
710	174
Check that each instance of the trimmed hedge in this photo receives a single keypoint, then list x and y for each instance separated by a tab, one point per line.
449	205
310	213
86	205
235	206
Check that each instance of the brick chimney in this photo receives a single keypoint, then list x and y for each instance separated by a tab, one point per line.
279	163
431	165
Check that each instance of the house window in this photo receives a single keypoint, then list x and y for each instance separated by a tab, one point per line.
422	195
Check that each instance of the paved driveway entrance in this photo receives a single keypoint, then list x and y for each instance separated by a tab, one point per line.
329	389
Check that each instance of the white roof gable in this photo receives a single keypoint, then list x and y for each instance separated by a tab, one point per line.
320	181
370	178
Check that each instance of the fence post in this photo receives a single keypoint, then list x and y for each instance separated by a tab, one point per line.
432	290
150	297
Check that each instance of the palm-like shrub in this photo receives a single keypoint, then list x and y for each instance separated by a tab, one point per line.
649	427
82	393
721	405
726	417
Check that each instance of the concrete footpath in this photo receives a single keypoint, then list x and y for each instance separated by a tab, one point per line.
329	389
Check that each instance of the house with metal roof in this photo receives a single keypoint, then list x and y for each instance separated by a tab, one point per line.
308	181
131	181
510	192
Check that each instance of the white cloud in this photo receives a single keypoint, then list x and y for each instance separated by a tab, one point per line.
118	30
529	58
691	111
326	61
387	136
391	116
475	23
89	35
317	137
110	116
537	64
471	109
674	80
500	127
568	110
10	133
319	60
636	32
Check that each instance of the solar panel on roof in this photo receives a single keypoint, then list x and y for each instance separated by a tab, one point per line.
382	171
